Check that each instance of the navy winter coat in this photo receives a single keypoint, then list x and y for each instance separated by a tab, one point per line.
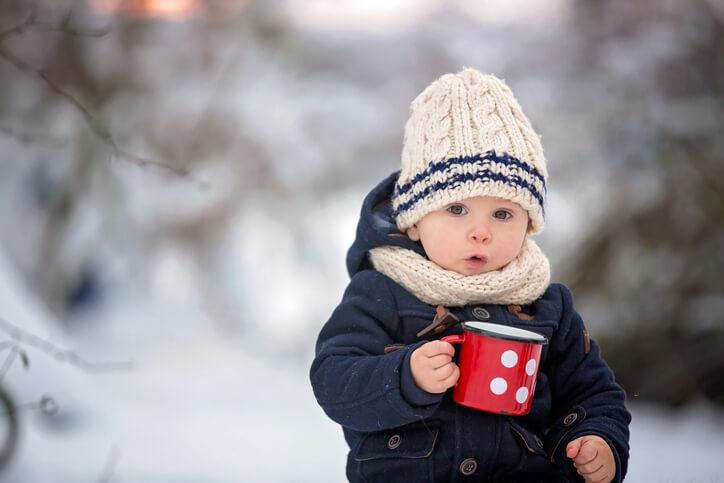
398	432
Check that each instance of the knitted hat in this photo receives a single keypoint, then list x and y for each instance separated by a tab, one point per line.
467	136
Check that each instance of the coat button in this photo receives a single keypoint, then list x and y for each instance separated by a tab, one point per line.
481	314
570	419
394	441
468	466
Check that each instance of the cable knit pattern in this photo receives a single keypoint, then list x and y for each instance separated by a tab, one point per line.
520	282
465	116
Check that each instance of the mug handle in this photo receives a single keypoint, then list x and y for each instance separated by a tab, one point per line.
453	339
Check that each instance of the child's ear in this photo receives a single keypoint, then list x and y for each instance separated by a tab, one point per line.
413	233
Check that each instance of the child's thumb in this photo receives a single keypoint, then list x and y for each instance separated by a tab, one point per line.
573	448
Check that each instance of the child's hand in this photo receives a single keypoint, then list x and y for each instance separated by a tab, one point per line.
432	367
592	458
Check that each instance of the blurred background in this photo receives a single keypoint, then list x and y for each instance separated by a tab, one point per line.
180	180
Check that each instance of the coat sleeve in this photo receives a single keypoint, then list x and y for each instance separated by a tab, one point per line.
586	399
357	385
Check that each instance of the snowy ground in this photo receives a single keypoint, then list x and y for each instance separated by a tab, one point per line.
200	407
201	412
676	446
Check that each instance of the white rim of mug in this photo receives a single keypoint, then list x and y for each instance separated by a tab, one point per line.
505	332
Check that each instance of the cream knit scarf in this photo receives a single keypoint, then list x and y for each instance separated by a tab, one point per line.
520	282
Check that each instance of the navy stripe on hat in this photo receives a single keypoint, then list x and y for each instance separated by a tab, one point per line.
489	167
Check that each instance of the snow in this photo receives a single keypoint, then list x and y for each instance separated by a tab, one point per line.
676	446
192	407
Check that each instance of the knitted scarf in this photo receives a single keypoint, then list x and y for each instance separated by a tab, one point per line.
520	282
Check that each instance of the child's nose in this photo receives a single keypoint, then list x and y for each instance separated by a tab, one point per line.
479	233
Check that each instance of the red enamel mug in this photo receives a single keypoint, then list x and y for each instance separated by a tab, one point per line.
498	367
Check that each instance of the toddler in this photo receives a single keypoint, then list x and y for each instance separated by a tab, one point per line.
443	240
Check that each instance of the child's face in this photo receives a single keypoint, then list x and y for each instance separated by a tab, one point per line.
473	236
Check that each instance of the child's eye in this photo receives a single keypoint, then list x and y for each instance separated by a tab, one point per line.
502	214
457	209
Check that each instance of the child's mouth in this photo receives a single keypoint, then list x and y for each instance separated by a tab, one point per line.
476	261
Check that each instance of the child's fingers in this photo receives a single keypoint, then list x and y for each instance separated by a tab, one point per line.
587	453
573	448
452	378
438	361
592	458
596	475
440	379
432	367
437	347
445	371
588	468
446	348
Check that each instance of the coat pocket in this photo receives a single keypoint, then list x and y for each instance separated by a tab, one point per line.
400	454
534	464
532	442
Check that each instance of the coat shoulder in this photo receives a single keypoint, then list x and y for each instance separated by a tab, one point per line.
556	300
372	283
381	287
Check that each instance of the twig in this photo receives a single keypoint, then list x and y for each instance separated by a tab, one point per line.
93	124
64	29
20	28
59	354
47	405
31	23
33	138
143	162
114	456
14	350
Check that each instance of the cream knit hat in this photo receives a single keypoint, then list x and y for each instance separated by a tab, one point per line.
467	136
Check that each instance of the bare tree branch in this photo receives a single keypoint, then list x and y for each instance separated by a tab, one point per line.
59	354
64	27
143	162
29	138
98	128
20	28
47	405
114	456
14	351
